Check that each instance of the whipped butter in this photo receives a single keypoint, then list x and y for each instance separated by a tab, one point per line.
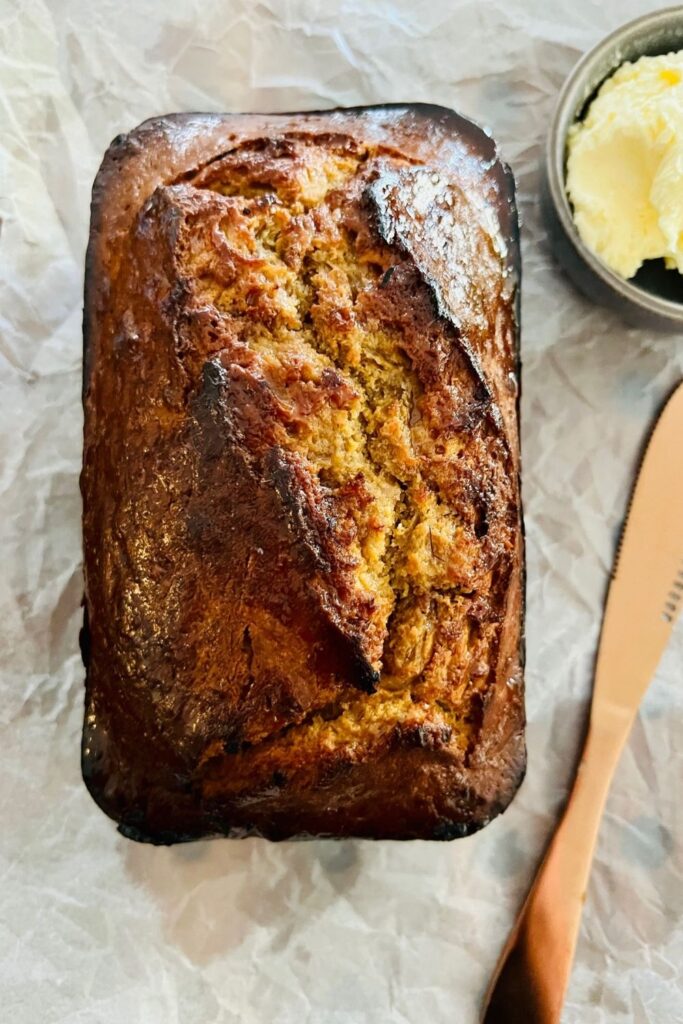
625	166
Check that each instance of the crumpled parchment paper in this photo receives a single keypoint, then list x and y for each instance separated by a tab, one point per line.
97	930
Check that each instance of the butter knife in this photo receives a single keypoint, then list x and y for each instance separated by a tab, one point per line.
643	601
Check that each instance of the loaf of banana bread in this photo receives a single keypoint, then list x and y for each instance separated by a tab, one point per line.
302	524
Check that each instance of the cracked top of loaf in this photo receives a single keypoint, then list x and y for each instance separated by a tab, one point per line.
302	525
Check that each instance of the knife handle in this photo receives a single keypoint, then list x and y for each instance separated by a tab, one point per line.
533	971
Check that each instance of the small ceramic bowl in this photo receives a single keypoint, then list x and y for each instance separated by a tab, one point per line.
654	297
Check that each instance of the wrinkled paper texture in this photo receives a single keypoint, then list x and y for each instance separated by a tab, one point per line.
95	929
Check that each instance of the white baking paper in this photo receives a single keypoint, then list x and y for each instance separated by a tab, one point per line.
97	930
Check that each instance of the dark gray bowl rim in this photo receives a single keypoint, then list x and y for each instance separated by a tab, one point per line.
555	164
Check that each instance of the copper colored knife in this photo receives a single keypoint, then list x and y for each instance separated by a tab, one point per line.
643	602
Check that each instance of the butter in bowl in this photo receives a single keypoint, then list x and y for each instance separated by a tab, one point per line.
613	172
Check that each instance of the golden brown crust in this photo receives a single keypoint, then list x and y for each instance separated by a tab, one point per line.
302	524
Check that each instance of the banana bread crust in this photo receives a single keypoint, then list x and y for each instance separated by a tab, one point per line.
302	523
